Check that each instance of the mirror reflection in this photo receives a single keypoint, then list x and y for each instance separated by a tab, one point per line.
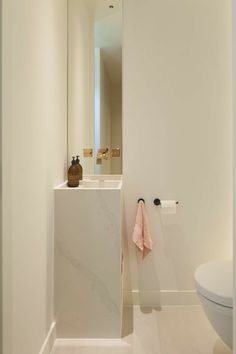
95	84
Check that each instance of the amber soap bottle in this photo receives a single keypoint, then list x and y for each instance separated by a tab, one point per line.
80	168
73	174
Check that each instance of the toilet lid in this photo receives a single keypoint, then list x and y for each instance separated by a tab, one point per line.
214	280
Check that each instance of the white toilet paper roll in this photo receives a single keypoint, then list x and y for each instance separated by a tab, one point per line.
168	207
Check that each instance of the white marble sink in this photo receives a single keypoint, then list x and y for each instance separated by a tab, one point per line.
97	182
88	257
104	184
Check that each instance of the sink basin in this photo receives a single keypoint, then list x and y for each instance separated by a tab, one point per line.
97	182
104	184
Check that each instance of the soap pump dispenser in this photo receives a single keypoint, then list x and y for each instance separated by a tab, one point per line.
80	168
73	174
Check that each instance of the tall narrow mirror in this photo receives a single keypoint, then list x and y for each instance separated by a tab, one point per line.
95	84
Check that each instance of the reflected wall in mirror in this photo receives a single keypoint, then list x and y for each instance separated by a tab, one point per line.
95	84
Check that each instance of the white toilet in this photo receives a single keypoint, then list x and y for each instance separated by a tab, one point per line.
214	283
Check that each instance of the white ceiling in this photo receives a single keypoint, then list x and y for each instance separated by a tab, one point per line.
100	8
108	34
112	58
108	31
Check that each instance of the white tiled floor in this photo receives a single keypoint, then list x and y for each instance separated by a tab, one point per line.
170	330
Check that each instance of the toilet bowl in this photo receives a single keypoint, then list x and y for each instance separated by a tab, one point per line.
214	284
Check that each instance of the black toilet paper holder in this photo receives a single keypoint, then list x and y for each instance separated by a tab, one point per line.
157	201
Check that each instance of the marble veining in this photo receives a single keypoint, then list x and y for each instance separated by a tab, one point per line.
88	280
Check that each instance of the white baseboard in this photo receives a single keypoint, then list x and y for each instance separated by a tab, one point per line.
49	341
160	298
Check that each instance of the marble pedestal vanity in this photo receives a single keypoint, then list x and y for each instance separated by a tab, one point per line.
88	258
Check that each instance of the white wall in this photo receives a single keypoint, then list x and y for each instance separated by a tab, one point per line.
80	82
116	126
34	140
234	160
1	277
177	138
105	114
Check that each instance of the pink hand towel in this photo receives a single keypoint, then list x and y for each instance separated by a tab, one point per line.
141	234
